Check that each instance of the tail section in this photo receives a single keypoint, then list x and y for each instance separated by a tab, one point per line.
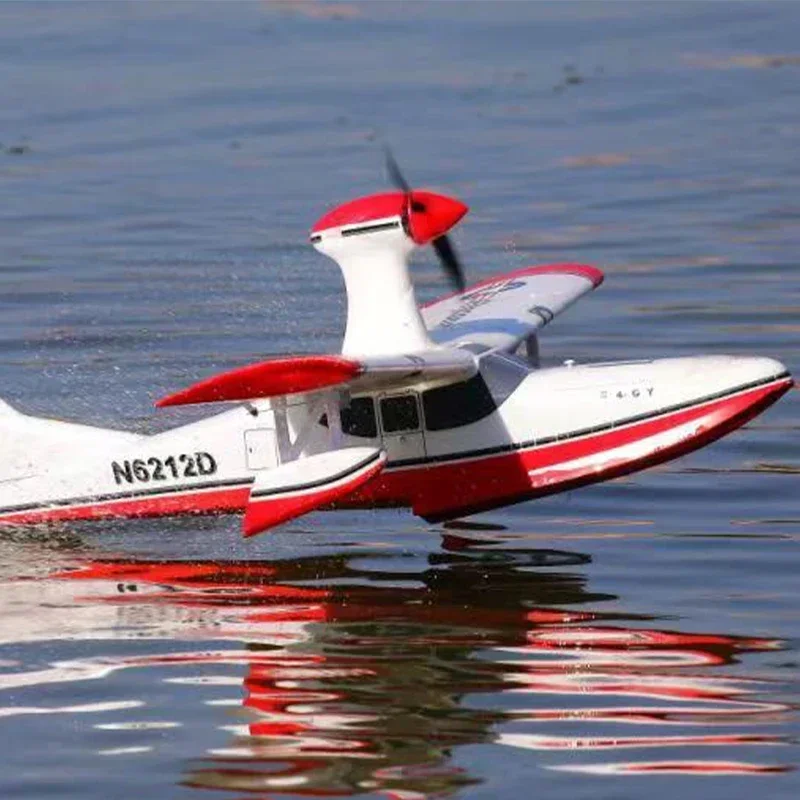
36	445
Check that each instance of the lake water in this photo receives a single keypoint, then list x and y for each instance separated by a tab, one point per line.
160	167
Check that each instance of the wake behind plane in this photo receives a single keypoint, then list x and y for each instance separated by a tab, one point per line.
443	409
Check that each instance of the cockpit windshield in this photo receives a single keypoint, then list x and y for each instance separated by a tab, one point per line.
503	373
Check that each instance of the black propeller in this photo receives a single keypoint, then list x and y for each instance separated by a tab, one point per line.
395	175
443	246
452	266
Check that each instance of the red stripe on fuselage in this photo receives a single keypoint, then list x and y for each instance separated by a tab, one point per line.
467	485
214	501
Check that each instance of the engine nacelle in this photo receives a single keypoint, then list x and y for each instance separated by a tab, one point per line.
371	239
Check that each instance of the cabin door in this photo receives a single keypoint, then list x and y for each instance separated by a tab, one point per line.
401	426
260	448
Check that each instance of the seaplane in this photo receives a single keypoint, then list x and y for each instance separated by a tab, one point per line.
444	409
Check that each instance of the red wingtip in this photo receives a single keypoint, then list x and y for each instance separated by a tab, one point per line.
278	376
254	522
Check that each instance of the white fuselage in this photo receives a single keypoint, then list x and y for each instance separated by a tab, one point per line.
560	416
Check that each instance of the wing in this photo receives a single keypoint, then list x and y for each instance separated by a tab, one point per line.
287	375
501	312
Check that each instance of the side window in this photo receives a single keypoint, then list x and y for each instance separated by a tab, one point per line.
358	419
400	413
469	401
457	404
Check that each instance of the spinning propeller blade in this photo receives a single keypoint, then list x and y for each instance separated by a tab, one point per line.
395	175
443	246
447	255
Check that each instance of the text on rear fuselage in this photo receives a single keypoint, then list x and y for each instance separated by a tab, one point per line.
145	470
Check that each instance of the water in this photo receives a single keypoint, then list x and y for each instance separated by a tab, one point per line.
161	166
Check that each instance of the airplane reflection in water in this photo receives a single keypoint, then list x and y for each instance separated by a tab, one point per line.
363	672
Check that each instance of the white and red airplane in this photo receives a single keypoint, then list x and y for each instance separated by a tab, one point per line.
443	409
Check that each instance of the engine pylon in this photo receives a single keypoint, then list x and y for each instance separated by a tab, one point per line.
371	239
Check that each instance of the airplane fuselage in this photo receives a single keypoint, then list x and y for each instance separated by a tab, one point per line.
511	433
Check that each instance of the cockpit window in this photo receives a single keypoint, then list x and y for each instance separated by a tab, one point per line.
399	413
463	403
445	407
358	418
457	404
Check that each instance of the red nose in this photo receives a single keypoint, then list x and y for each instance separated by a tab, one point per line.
432	215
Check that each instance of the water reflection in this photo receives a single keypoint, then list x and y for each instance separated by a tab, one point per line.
364	671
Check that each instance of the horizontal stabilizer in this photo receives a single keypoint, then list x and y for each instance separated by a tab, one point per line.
300	486
286	375
502	312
